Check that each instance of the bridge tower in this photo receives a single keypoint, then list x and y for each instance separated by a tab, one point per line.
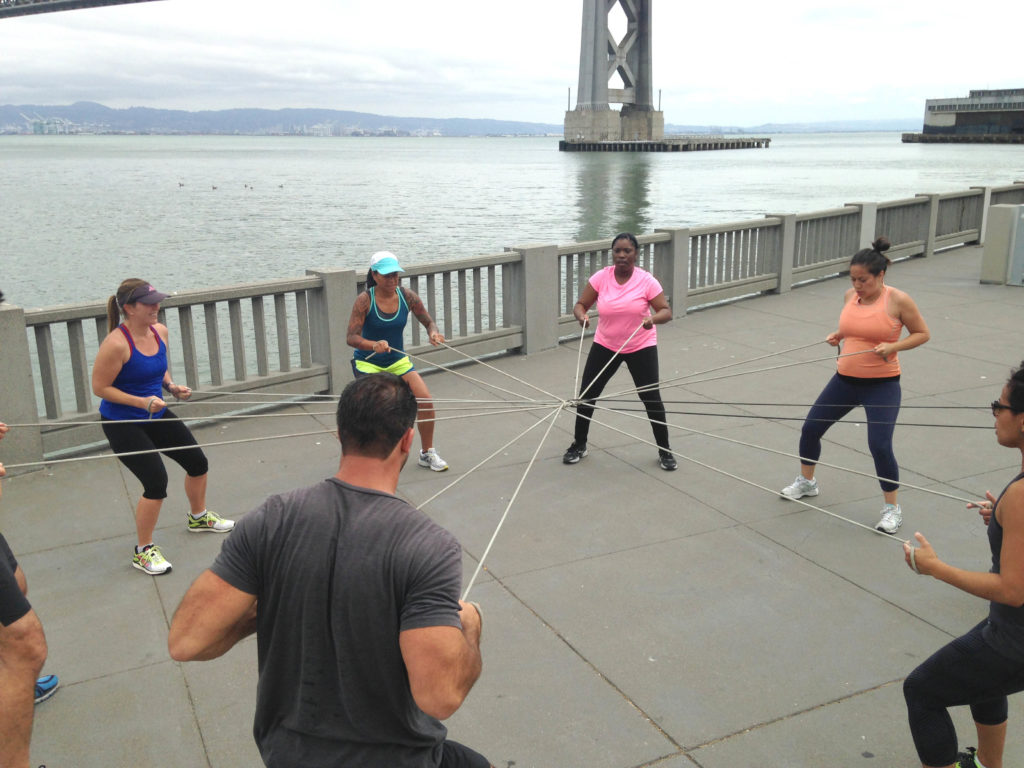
601	56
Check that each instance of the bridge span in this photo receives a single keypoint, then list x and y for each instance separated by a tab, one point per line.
25	7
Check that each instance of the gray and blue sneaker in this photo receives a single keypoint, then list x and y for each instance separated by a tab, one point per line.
46	686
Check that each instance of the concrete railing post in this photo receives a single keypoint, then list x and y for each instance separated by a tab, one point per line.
933	223
868	222
536	297
986	201
787	251
18	405
329	311
672	267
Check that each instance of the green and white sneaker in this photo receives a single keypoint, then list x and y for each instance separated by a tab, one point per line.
210	521
151	560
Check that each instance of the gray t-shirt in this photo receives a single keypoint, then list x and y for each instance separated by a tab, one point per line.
338	572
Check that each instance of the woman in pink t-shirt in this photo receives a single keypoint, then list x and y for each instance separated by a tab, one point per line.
625	296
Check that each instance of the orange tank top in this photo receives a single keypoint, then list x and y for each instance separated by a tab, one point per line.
865	326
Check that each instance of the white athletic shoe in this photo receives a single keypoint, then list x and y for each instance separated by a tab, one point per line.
430	459
892	519
799	488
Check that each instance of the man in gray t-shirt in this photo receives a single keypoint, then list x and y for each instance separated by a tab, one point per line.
364	645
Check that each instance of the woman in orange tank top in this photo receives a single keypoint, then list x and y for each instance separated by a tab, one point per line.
870	326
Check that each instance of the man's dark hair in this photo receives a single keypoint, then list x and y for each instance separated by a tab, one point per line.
374	412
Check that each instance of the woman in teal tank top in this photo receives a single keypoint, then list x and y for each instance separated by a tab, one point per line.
376	330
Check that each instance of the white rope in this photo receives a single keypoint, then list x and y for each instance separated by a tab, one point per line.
484	384
493	368
501	522
47	462
740	373
728	365
591	382
579	360
481	463
543	407
783	453
216	394
217	417
751	482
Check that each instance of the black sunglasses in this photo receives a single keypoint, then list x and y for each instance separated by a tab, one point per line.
997	407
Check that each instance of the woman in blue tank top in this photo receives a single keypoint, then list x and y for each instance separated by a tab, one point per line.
981	668
376	330
129	375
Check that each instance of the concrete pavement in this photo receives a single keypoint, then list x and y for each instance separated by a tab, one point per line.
633	617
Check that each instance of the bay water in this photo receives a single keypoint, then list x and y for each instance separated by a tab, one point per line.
81	213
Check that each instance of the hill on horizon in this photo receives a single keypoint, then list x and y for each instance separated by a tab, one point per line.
87	116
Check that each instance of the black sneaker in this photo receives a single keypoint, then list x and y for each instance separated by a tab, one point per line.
667	461
966	759
574	453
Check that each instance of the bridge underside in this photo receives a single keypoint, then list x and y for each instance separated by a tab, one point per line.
26	7
603	56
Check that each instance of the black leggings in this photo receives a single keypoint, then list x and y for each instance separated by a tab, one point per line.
643	367
13	604
455	755
161	433
881	401
965	671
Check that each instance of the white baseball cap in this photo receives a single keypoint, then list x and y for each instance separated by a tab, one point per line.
385	263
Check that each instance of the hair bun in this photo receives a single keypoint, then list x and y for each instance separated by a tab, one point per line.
882	244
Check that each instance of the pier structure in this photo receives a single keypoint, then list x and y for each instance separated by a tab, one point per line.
668	144
984	117
601	58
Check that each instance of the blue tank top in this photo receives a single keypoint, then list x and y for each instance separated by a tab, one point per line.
142	375
391	328
1005	628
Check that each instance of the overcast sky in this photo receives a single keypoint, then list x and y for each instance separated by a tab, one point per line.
733	62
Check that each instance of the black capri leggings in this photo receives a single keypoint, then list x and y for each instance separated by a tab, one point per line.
643	367
13	604
161	433
965	671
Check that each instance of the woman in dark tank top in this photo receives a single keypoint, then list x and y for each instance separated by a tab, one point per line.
979	669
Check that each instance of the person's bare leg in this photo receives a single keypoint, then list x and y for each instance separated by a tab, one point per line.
991	740
22	654
146	514
195	489
425	415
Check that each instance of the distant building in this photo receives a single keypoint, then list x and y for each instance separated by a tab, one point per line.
981	113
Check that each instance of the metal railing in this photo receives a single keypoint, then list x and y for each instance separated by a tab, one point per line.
289	335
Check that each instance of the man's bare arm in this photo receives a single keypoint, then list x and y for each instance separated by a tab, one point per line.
212	617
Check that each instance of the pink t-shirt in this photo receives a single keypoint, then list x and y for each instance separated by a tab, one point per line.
621	308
